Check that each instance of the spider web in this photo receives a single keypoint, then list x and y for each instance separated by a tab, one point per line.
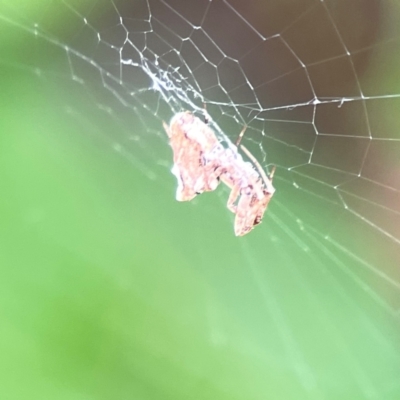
317	84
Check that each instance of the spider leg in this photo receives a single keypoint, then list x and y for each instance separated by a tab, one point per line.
183	191
239	139
259	216
213	174
244	215
205	114
232	198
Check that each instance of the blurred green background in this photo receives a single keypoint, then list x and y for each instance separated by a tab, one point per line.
109	289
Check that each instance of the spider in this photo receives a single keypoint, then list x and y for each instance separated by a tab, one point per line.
254	188
191	139
201	163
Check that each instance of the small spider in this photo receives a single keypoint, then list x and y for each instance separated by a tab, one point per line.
254	188
201	163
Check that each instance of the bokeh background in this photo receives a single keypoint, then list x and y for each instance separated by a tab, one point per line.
110	289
